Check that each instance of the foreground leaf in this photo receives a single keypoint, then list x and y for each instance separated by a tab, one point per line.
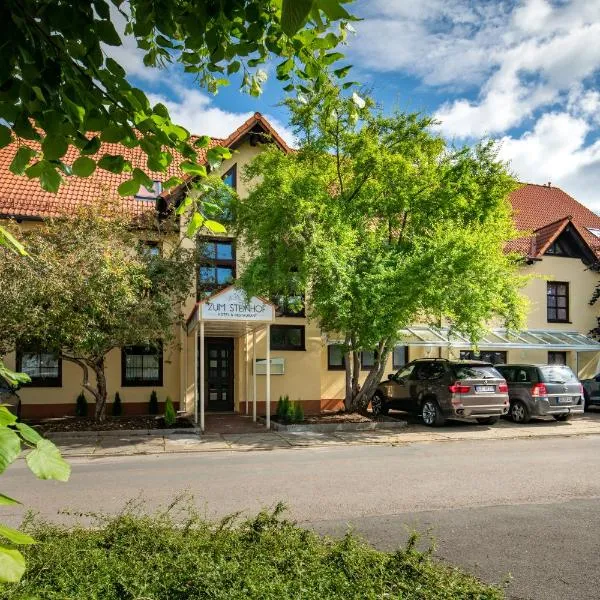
15	536
12	565
46	462
7	500
10	447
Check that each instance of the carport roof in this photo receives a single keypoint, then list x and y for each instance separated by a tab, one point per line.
500	339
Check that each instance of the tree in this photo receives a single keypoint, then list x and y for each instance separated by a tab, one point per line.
89	285
59	86
382	225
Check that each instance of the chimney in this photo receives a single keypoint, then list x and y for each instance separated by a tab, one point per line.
549	184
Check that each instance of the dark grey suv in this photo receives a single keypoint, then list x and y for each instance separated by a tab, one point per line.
539	390
440	389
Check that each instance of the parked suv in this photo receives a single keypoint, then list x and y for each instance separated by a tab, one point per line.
538	390
591	391
441	389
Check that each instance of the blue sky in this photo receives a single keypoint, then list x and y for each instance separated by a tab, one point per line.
525	73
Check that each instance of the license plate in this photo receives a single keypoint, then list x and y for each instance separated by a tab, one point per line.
485	388
565	400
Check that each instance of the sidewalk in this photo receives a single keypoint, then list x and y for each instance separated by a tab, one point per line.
115	445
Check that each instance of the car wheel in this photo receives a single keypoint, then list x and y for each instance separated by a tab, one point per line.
563	417
378	405
432	414
487	420
519	412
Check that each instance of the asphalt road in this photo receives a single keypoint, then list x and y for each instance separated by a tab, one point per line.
528	510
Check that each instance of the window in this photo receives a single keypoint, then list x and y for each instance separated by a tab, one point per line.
558	302
141	366
151	248
217	266
287	337
335	357
496	357
557	358
367	359
406	372
289	306
400	356
145	194
426	371
230	178
44	368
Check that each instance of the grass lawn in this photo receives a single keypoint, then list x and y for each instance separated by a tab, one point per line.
182	556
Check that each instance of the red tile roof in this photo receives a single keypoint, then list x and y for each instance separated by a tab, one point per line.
23	197
544	211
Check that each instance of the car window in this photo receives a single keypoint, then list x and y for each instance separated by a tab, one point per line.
476	372
557	374
507	372
522	375
405	372
421	371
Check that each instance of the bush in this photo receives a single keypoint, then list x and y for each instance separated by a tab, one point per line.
117	407
298	412
170	414
131	556
153	404
81	407
283	408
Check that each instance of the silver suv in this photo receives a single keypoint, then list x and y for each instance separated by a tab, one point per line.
441	389
539	390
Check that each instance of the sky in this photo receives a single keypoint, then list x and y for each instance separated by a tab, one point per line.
526	73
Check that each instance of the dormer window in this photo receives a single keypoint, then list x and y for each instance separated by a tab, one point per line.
145	194
230	178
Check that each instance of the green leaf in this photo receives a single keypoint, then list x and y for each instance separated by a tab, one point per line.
15	536
107	33
115	68
8	240
12	565
142	178
214	226
216	155
202	142
5	136
129	188
50	179
194	225
54	147
22	157
6	417
83	166
333	9
114	163
342	72
28	433
10	447
47	463
172	182
92	146
193	168
114	134
7	500
12	377
294	14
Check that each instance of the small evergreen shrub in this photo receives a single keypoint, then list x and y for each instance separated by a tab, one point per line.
153	404
117	407
81	408
170	414
298	416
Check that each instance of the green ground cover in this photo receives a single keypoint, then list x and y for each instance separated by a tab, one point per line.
182	556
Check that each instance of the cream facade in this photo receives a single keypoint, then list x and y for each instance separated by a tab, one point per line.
233	375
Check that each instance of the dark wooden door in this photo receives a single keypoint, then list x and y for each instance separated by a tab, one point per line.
219	374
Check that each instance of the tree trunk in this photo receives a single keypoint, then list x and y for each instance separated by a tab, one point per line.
102	391
348	374
355	373
361	400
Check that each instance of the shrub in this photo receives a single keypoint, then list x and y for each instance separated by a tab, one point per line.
283	408
117	407
81	408
131	556
153	404
170	415
298	416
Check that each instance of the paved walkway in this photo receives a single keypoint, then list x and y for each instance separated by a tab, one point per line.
100	445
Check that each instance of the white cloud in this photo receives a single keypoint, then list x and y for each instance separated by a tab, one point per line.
555	150
197	112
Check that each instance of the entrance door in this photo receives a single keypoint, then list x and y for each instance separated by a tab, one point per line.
219	374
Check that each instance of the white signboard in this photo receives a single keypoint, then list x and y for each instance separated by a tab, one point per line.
231	305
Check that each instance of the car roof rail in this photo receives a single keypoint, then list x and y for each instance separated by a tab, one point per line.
434	358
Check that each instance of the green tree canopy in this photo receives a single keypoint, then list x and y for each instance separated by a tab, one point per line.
60	87
90	285
382	225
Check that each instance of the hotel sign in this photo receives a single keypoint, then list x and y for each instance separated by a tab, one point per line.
232	305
